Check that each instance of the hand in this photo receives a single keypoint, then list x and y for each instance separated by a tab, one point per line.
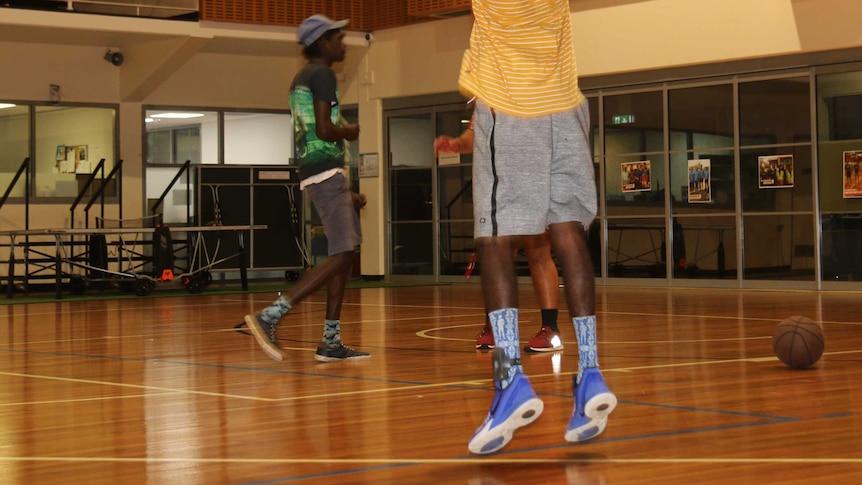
359	200
446	144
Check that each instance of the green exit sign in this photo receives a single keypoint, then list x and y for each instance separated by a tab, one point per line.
624	119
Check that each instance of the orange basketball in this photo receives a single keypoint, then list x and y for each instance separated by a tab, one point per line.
798	342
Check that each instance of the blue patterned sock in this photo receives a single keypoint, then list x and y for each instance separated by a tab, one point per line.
588	353
273	313
504	324
332	332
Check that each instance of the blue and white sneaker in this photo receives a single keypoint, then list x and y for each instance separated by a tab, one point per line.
593	403
513	407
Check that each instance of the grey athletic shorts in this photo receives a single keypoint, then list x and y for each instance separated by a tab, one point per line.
530	172
332	200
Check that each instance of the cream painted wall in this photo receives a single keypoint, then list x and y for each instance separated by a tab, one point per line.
83	77
614	36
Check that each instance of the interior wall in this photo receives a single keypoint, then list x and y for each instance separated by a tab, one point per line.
618	36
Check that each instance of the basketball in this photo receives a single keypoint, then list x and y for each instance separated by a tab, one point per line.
798	342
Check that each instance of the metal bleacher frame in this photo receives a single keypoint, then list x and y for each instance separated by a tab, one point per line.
64	256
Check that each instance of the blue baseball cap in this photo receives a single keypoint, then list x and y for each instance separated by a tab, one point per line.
315	26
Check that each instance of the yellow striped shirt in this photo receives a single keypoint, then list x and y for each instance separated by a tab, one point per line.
521	59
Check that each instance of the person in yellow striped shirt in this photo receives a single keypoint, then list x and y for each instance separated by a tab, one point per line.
532	169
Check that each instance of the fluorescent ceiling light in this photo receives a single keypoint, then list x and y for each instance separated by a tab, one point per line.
149	120
6	105
179	116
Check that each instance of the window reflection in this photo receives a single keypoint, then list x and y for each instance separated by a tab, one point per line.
174	136
70	143
14	144
257	138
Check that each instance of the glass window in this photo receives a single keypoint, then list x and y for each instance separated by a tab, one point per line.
174	136
411	141
775	111
842	247
704	247
633	185
410	194
778	247
177	205
455	188
634	123
70	143
413	248
702	181
701	117
258	138
456	248
839	120
636	247
14	145
776	179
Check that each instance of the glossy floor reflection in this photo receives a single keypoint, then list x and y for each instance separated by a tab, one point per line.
174	390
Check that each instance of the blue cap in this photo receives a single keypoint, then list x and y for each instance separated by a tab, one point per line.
315	26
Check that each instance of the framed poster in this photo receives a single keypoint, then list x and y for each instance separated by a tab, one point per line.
775	172
69	158
368	165
852	174
635	176
699	183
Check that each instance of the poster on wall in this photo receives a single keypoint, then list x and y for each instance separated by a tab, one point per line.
775	172
368	165
853	174
72	159
699	184
635	176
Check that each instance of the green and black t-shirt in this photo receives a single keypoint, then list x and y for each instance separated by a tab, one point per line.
315	82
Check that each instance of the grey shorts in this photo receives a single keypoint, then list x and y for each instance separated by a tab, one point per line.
531	172
341	226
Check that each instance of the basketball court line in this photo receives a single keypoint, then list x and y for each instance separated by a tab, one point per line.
473	383
133	386
439	461
425	334
411	386
454	461
86	399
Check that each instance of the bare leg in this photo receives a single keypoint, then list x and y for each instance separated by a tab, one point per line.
570	244
497	263
335	288
332	270
543	271
546	283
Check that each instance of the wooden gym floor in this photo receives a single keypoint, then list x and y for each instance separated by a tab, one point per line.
173	390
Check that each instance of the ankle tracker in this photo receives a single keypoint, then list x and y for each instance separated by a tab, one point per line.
501	364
